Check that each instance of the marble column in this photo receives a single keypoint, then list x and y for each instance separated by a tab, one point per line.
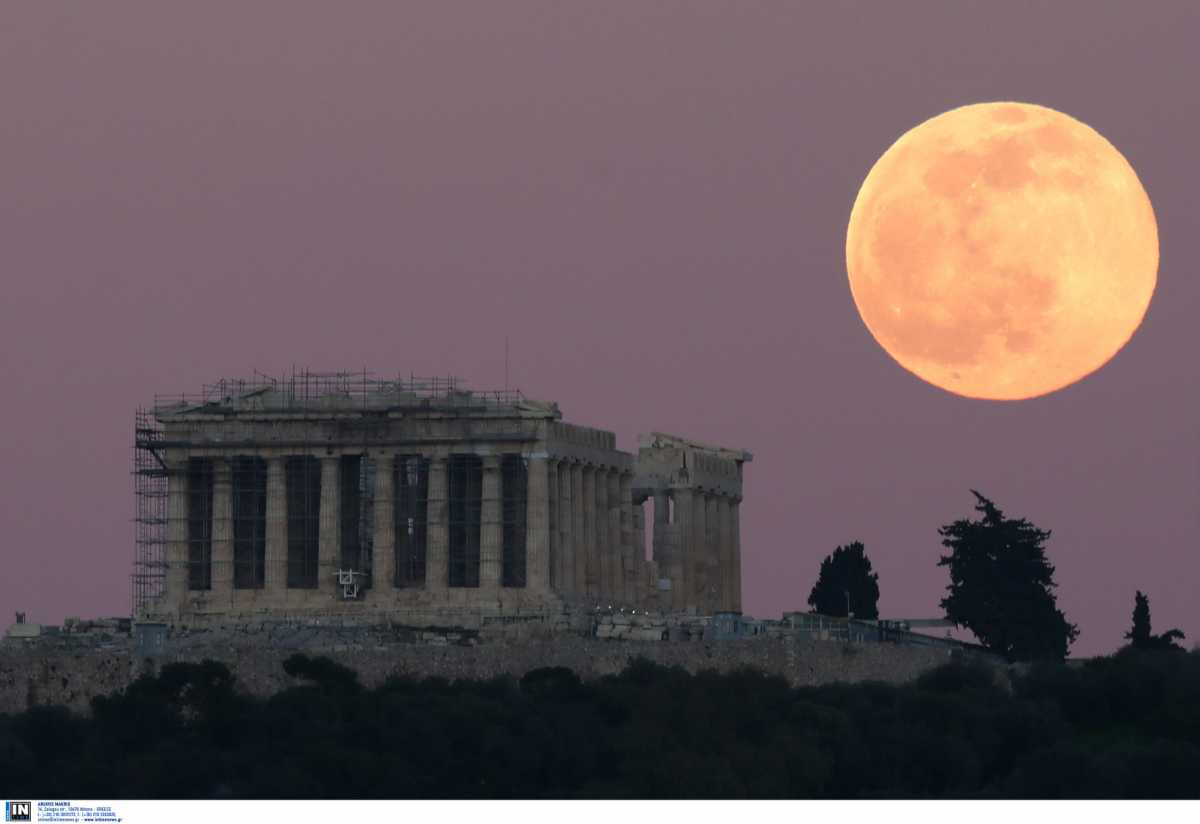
660	550
603	551
578	531
735	530
383	567
696	555
437	541
678	566
663	549
222	531
629	564
177	535
712	555
566	523
725	542
537	528
553	517
643	570
491	529
616	540
276	537
329	550
591	570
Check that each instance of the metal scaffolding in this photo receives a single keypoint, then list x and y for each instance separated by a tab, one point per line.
197	531
464	506
233	490
249	493
514	488
149	576
357	517
305	390
303	521
410	487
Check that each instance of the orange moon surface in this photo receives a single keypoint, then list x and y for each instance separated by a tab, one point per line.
1002	251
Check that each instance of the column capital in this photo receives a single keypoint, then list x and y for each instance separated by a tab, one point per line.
175	461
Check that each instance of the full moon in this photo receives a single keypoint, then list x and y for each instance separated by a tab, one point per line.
1002	251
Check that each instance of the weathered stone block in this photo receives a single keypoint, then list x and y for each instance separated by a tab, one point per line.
24	631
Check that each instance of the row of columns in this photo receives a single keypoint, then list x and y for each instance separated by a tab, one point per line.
491	537
592	545
582	531
700	550
329	535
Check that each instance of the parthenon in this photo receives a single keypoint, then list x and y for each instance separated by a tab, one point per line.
345	494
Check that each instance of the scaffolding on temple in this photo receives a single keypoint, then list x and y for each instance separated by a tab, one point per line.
238	554
150	486
306	390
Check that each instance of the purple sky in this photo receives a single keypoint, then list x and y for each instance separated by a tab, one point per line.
648	199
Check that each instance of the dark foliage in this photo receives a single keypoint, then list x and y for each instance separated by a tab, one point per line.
1002	586
1140	636
327	675
846	577
1121	727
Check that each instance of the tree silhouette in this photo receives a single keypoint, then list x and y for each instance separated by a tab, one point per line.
1123	726
1001	585
1140	636
846	576
330	676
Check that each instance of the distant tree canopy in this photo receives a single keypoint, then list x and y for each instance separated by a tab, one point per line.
846	576
1001	585
1140	636
321	672
1126	726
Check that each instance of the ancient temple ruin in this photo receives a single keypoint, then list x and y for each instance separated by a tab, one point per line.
418	500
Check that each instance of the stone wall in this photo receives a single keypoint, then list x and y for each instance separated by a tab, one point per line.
70	671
